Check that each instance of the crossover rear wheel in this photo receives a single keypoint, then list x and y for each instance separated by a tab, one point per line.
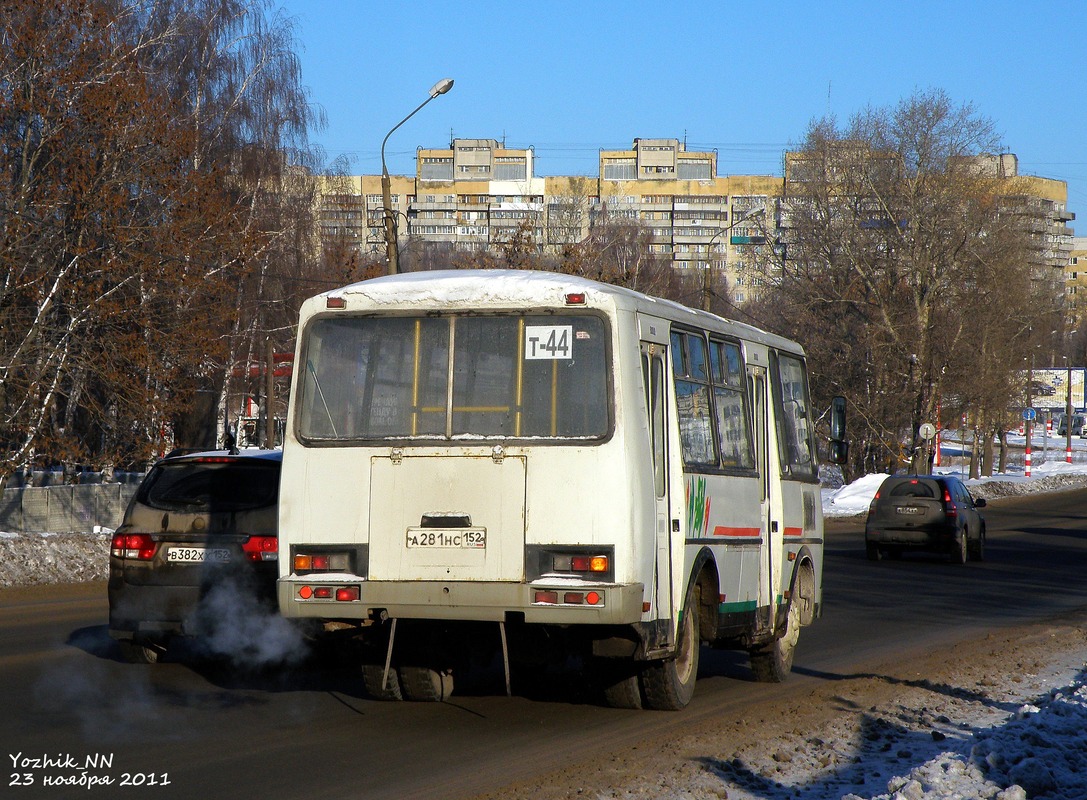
960	554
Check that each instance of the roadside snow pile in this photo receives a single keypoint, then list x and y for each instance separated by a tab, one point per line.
33	558
1055	476
1041	750
993	741
1054	481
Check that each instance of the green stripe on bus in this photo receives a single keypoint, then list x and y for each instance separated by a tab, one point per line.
733	608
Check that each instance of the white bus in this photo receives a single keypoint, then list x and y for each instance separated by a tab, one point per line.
559	470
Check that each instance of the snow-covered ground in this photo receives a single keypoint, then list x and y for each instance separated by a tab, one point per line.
1011	736
1012	728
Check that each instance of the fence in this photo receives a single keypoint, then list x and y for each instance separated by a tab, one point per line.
64	509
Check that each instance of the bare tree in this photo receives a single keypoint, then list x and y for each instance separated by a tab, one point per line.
894	233
617	251
144	184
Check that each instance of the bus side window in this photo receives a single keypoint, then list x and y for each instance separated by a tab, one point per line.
793	412
733	426
653	383
693	404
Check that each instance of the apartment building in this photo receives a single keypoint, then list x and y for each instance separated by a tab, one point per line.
1075	284
477	194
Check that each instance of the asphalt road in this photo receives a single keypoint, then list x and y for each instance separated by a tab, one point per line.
71	708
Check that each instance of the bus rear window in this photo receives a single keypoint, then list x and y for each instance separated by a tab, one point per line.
511	376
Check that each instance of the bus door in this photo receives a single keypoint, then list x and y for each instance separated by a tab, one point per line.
654	383
760	426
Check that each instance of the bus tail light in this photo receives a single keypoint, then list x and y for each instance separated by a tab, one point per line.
341	594
551	597
139	546
305	563
347	594
583	598
588	564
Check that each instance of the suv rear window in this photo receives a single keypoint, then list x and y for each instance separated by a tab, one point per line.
911	489
201	486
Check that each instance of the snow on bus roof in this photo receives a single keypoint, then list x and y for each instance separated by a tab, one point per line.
476	286
499	286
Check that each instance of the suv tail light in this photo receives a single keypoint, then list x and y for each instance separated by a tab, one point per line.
261	548
139	546
951	511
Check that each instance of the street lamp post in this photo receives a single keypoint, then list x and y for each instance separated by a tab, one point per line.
1068	405
392	251
707	291
1068	414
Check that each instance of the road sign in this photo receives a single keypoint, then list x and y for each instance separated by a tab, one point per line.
927	430
1029	414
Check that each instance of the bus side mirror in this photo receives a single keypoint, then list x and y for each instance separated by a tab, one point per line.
837	419
839	447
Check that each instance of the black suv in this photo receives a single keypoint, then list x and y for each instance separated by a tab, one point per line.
199	539
925	512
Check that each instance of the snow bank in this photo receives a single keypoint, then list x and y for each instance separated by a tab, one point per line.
33	558
1052	476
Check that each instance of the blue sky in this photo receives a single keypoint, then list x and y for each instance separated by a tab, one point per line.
745	79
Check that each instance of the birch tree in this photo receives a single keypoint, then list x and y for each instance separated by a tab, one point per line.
130	223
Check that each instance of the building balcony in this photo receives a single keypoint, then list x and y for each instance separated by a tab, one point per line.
442	205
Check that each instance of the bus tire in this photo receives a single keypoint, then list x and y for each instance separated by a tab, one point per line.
668	685
371	680
137	652
618	681
773	662
425	685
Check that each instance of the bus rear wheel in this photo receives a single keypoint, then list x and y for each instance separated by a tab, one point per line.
773	662
669	685
426	685
618	681
372	675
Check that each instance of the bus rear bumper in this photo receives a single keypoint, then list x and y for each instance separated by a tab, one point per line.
315	596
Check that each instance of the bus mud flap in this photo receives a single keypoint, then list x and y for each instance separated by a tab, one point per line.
505	656
388	657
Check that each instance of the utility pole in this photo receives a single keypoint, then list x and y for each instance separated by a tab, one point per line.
269	397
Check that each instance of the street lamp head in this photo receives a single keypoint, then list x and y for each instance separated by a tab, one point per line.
441	87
